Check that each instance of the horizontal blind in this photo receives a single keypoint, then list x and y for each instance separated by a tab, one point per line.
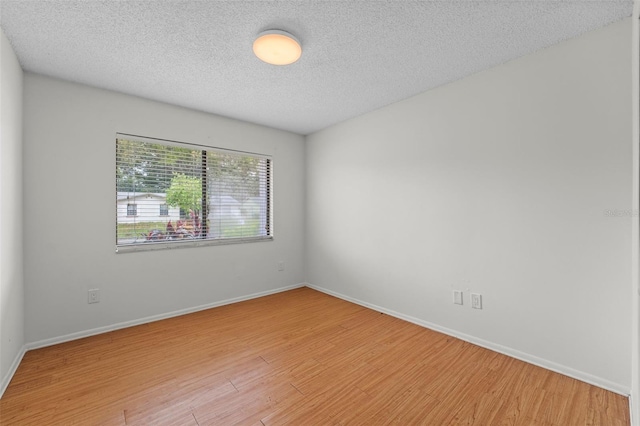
170	193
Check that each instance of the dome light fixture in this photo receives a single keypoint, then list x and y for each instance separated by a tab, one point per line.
277	47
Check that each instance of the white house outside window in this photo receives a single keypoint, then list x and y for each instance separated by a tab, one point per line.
170	194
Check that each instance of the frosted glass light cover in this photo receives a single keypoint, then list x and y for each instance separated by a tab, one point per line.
277	47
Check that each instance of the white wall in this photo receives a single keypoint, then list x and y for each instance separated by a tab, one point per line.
634	398
69	139
495	184
11	219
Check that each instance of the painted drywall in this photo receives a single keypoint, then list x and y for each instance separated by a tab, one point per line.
70	213
11	217
634	397
496	184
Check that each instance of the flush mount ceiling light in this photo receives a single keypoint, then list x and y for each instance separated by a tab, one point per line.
277	47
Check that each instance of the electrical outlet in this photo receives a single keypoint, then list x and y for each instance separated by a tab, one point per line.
476	301
457	297
93	296
281	265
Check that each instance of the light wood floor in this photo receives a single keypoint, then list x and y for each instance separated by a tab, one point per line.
298	358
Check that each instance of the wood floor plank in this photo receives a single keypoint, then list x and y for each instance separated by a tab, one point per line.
298	357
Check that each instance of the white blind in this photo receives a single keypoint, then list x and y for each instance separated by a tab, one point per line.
169	193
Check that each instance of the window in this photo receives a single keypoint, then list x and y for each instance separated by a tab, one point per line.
188	194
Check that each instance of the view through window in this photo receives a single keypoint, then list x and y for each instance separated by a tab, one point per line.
172	193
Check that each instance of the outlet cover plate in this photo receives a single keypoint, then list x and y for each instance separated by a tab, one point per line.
93	296
457	297
476	301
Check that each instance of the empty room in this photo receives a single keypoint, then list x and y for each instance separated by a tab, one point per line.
319	212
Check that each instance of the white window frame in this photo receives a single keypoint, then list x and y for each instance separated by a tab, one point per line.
198	242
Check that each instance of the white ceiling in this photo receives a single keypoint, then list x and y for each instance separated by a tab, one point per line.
357	55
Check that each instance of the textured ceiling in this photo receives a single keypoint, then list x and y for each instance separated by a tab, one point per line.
357	55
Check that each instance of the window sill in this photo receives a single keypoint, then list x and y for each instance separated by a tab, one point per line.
161	245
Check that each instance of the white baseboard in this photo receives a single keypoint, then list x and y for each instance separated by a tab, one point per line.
12	370
522	356
94	331
634	415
